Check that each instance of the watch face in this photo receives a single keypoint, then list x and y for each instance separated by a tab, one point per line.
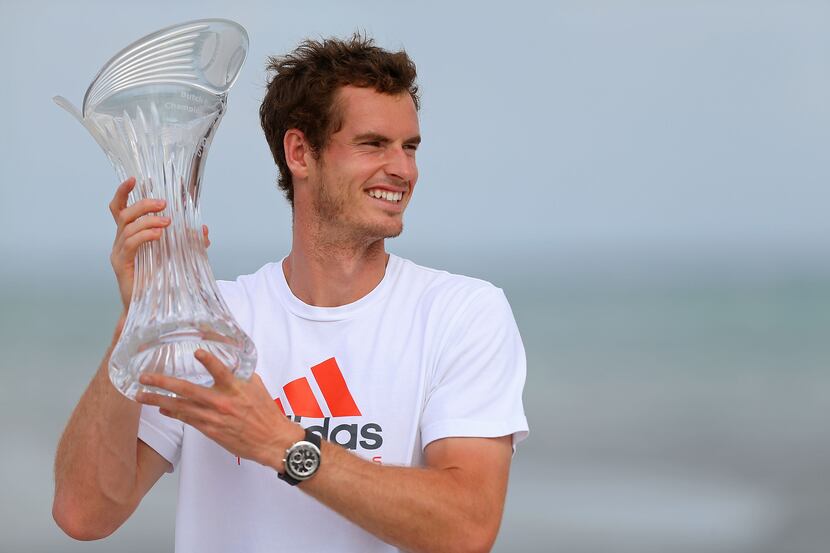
302	461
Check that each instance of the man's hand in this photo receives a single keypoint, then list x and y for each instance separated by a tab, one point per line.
136	226
238	415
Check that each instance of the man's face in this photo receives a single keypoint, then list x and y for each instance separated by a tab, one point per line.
366	173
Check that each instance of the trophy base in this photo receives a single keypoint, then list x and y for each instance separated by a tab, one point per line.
172	354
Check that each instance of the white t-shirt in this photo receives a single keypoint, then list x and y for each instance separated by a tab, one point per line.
425	355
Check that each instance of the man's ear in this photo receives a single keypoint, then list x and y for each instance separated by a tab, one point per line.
297	153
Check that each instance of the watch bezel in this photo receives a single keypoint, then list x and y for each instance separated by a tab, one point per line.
310	451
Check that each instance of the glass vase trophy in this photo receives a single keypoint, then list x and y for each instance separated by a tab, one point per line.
154	109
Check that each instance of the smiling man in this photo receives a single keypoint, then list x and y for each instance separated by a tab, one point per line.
386	402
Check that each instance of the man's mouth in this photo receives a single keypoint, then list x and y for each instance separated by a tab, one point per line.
387	195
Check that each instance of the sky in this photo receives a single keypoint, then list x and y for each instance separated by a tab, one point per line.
552	131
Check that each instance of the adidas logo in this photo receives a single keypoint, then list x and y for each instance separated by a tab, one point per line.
338	401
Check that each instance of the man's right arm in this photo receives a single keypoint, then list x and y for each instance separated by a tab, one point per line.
102	470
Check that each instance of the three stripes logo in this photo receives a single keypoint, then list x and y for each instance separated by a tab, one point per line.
339	403
332	385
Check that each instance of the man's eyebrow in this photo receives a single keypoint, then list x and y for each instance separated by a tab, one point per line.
371	136
376	137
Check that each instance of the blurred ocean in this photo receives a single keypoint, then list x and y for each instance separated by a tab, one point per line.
681	411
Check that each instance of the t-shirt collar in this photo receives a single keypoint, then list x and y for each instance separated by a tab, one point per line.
301	309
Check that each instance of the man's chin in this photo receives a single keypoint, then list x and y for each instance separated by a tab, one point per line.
387	231
391	234
395	233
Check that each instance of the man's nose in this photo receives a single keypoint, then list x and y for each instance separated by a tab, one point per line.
400	163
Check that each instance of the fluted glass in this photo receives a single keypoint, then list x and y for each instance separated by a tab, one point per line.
154	109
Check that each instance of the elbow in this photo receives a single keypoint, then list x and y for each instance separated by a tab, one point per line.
478	538
79	525
482	543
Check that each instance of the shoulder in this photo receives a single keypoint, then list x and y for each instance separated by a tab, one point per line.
448	294
248	282
245	291
439	281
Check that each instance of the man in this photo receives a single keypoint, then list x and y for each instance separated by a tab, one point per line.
402	384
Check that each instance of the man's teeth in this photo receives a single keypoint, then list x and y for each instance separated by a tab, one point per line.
385	195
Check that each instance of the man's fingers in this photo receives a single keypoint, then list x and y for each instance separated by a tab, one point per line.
132	243
182	388
221	375
130	214
178	408
148	222
122	193
124	249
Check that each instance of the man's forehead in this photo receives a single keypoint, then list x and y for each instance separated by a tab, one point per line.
363	109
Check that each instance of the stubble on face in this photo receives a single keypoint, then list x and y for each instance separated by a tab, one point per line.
338	222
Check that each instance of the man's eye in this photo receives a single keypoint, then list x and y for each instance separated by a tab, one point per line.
372	143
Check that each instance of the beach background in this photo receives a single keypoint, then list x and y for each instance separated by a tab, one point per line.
647	181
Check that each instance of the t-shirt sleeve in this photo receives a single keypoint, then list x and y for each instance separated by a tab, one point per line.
163	434
476	388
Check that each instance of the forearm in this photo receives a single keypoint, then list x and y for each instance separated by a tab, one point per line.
95	464
416	509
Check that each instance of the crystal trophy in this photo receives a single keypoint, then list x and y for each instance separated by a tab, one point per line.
154	109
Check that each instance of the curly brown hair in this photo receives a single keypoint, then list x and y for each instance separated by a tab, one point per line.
302	87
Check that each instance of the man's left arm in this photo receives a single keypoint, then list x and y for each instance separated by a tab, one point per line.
454	503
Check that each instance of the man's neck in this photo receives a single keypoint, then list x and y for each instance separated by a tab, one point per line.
330	275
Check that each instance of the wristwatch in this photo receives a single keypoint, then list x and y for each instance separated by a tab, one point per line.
301	459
